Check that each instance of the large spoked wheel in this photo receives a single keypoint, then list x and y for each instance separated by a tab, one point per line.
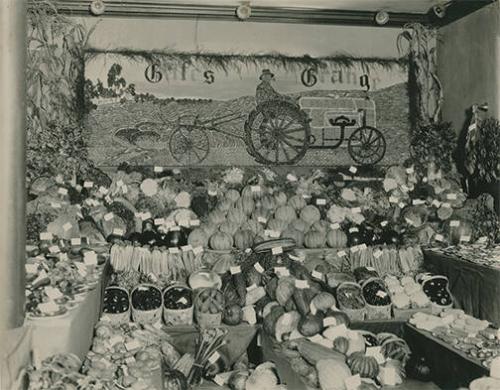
277	133
189	145
367	145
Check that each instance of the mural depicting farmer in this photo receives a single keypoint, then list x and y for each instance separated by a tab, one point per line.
265	91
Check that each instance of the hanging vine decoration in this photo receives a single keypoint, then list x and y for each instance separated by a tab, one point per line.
172	59
426	95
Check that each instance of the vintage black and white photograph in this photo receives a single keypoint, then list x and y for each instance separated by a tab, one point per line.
250	195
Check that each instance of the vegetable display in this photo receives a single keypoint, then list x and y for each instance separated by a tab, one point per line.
375	293
178	298
146	298
115	301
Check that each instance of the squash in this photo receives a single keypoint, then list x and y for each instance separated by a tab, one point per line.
310	325
261	212
236	215
232	195
341	344
310	214
221	241
280	198
285	213
336	239
224	205
295	235
313	352
339	316
243	239
270	319
252	192
198	237
365	366
209	228
254	226
297	202
323	301
284	290
314	240
268	202
356	343
216	217
286	324
245	204
320	226
174	380
300	224
332	374
277	225
232	314
229	227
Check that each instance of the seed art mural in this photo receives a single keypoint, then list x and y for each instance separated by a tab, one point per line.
194	116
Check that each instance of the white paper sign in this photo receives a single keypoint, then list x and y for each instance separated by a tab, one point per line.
76	241
439	237
454	223
356	210
62	191
353	170
258	268
108	216
451	196
88	184
54	249
341	253
90	258
173	251
317	275
277	250
301	284
46	236
353	230
261	220
131	345
186	248
281	271
235	270
67	226
159	221
214	357
255	188
118	232
321	202
198	250
158	169
291	177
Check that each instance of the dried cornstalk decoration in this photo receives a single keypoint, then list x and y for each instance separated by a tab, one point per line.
426	95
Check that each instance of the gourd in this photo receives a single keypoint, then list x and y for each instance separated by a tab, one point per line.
340	317
297	202
243	239
286	324
313	353
198	237
336	239
332	374
310	325
285	213
245	204
310	214
260	213
236	215
295	235
209	228
314	240
251	193
365	366
224	205
320	226
232	195
229	227
254	226
277	225
300	225
280	198
284	290
341	344
268	202
174	380
221	241
323	301
216	217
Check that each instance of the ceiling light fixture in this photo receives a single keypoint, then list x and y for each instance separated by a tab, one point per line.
381	17
243	12
97	7
439	10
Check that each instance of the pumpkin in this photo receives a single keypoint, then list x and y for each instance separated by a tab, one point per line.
320	226
286	324
261	213
268	202
277	225
297	202
284	290
300	224
341	344
252	192
245	204
216	217
280	198
174	380
198	237
365	366
254	226
314	240
209	228
243	239
232	314
232	195
229	227
224	205
310	325
295	235
310	214
323	301
236	215
285	213
336	239
221	241
339	316
332	374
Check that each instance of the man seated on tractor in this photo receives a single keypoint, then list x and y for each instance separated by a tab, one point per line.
266	92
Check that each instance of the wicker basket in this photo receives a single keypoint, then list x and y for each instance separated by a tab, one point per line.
377	312
436	309
208	320
118	318
355	315
174	317
146	316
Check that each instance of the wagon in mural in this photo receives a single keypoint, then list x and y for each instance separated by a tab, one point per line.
280	132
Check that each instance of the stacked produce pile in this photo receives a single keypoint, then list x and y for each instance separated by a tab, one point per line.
477	338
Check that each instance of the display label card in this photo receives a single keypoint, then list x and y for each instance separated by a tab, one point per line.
353	170
249	315
48	307
454	223
186	248
353	230
219	380
53	292
31	268
146	215
353	382
281	271
258	268
356	210
159	221
90	258
214	357
320	202
277	250
255	188
46	236
335	226
402	205
393	199
306	196
108	216
54	249
55	205
317	275
198	250
418	202
329	321
465	238
291	177
76	241
341	253
262	220
184	223
235	270
88	184
194	222
62	191
482	240
439	237
451	196
158	169
301	284
118	232
134	344
212	193
173	251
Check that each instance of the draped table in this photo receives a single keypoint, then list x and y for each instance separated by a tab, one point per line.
475	287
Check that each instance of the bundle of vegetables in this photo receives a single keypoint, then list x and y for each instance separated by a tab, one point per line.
406	293
210	340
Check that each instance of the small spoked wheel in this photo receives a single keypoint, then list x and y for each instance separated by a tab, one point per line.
189	145
277	133
367	145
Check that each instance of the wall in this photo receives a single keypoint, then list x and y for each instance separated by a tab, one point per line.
468	63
